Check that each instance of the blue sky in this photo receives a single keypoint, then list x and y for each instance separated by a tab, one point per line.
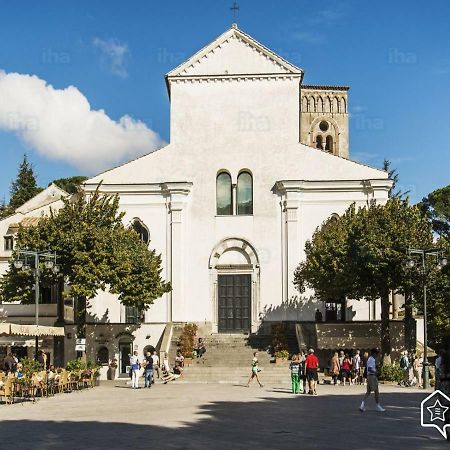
394	55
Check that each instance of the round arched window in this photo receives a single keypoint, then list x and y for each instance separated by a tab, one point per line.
141	230
323	125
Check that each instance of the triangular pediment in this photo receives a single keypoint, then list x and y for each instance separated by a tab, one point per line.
234	53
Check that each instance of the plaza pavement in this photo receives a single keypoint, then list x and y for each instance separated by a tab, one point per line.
217	416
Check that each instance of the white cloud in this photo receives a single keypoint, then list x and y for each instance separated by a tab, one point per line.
113	56
308	37
60	124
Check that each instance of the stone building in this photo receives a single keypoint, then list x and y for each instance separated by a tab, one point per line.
256	162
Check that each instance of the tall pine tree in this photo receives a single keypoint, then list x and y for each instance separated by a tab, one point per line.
24	187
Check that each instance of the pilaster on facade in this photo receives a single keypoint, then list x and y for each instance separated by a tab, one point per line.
177	196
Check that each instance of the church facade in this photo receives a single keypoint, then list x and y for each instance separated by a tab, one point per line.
256	162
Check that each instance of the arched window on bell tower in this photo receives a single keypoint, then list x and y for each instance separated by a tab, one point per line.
319	142
329	144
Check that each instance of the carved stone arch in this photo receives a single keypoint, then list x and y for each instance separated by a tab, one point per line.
305	104
335	105
327	106
319	104
343	105
312	104
234	258
238	244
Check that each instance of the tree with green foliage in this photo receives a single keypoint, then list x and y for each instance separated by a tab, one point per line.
437	207
24	187
326	263
361	255
70	184
95	252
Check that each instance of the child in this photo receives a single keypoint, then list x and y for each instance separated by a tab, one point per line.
255	370
294	367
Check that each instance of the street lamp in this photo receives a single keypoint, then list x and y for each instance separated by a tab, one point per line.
21	263
440	261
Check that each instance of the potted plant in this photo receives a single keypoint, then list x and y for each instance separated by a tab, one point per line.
186	342
281	356
112	369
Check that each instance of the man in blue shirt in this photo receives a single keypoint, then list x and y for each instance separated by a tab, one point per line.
148	370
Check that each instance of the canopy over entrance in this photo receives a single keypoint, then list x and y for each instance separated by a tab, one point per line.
14	329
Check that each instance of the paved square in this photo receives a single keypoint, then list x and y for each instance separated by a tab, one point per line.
216	416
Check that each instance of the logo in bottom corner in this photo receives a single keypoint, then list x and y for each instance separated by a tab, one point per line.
435	412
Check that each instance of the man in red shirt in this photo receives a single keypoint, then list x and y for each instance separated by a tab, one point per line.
311	366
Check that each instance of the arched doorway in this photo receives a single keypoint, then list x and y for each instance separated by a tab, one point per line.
234	275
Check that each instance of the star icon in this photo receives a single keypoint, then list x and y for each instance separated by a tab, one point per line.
437	411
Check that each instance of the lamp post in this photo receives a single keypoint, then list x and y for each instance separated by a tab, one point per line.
440	261
22	260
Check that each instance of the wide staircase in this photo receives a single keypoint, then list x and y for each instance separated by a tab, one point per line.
228	360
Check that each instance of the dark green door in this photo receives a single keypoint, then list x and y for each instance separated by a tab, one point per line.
234	303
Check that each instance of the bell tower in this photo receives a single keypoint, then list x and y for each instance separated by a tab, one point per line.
324	118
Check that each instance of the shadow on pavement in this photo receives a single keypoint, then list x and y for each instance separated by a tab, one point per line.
328	422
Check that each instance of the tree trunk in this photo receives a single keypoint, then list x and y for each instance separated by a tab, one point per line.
80	316
385	330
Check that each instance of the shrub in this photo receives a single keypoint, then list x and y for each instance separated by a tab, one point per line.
186	343
282	354
31	366
279	341
78	364
391	372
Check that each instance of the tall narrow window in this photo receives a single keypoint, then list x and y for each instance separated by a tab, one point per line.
224	194
9	243
131	314
329	144
245	193
141	230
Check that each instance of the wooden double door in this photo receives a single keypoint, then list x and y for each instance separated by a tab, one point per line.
234	302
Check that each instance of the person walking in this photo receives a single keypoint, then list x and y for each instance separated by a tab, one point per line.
148	370
294	367
311	366
372	381
335	368
255	371
364	368
135	366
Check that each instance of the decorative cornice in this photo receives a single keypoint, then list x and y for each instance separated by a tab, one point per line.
284	186
177	187
316	87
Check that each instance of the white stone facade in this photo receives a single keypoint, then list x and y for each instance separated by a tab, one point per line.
235	106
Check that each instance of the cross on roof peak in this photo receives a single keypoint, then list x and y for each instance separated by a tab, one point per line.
234	8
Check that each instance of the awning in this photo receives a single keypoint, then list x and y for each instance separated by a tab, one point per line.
14	329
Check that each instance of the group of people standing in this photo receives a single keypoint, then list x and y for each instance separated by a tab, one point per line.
349	369
304	373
